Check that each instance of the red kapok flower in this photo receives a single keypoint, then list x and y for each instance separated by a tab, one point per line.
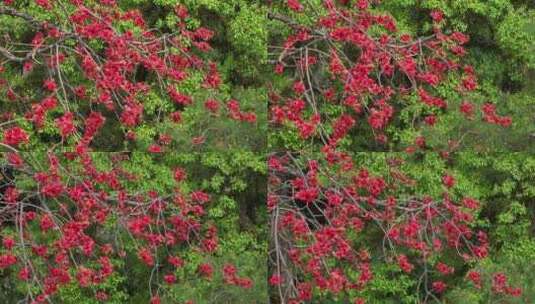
439	286
15	136
206	270
169	278
275	280
65	124
448	180
295	5
437	16
50	85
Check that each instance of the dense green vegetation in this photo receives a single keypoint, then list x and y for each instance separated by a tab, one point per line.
494	165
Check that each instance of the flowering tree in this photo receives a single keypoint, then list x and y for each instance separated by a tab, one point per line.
79	78
63	217
352	72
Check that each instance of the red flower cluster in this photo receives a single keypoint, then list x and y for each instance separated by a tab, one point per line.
15	136
295	5
230	277
489	115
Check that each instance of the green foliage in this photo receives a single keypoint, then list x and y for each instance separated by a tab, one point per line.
516	35
389	286
113	287
231	164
